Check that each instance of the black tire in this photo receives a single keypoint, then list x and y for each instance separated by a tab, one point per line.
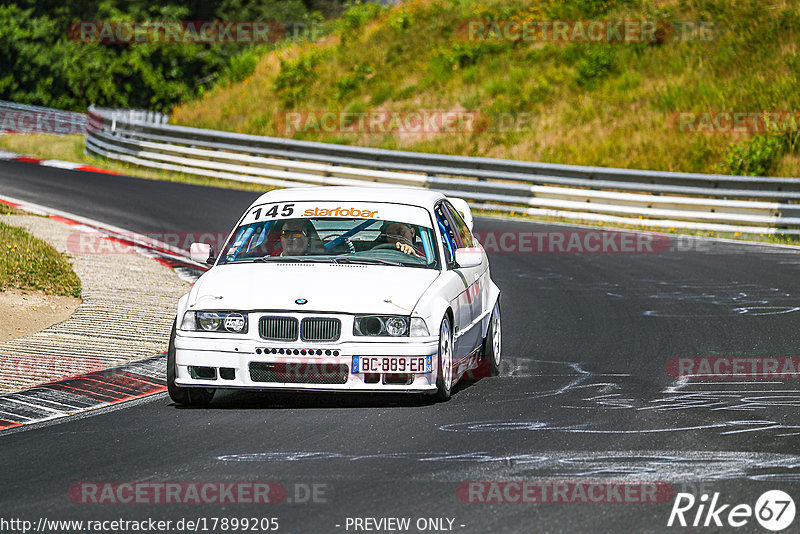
444	383
187	396
492	343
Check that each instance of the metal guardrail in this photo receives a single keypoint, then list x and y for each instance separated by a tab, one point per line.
137	115
21	118
648	198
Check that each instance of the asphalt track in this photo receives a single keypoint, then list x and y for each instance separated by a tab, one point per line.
584	395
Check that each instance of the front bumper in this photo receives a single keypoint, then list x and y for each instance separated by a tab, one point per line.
233	362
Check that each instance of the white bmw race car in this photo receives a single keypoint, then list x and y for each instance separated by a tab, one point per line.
361	289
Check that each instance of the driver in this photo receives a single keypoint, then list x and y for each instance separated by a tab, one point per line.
295	237
402	235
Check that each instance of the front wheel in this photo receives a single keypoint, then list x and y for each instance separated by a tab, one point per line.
187	396
492	344
444	376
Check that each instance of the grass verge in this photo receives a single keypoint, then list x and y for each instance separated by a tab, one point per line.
29	263
5	209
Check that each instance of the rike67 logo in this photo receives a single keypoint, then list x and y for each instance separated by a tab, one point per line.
774	510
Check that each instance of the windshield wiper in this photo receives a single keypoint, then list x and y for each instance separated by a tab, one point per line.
374	261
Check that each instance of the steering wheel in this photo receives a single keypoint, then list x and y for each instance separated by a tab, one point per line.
346	241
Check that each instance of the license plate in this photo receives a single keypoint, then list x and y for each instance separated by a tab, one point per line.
392	364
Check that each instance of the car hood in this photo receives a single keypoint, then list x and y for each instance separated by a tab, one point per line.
348	288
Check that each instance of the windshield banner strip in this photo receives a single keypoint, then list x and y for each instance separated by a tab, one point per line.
338	210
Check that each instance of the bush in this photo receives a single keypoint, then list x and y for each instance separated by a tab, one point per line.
352	81
597	63
241	66
465	54
576	9
295	77
356	15
754	157
41	65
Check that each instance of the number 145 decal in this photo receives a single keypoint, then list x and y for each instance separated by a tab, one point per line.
285	211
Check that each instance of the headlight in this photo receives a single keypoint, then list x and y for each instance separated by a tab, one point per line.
216	321
209	321
396	326
381	325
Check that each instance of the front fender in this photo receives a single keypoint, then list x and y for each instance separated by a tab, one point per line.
433	313
492	297
183	304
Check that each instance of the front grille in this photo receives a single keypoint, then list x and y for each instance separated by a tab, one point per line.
320	329
299	373
278	328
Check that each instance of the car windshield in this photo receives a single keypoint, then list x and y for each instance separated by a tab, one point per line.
332	240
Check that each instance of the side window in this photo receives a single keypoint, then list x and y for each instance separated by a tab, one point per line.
461	230
448	236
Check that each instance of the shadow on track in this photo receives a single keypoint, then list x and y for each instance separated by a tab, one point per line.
277	400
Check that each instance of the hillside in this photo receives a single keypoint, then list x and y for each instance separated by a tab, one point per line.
543	99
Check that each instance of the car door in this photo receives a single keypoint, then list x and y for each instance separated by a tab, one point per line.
474	278
456	286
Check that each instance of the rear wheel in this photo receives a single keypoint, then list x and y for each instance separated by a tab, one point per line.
188	396
444	376
492	344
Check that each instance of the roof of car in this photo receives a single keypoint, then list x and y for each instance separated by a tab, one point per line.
415	196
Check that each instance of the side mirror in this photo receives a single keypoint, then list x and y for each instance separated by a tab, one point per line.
202	253
469	257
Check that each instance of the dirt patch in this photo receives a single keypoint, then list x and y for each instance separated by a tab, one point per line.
27	312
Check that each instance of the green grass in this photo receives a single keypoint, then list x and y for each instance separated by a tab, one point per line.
592	104
29	263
